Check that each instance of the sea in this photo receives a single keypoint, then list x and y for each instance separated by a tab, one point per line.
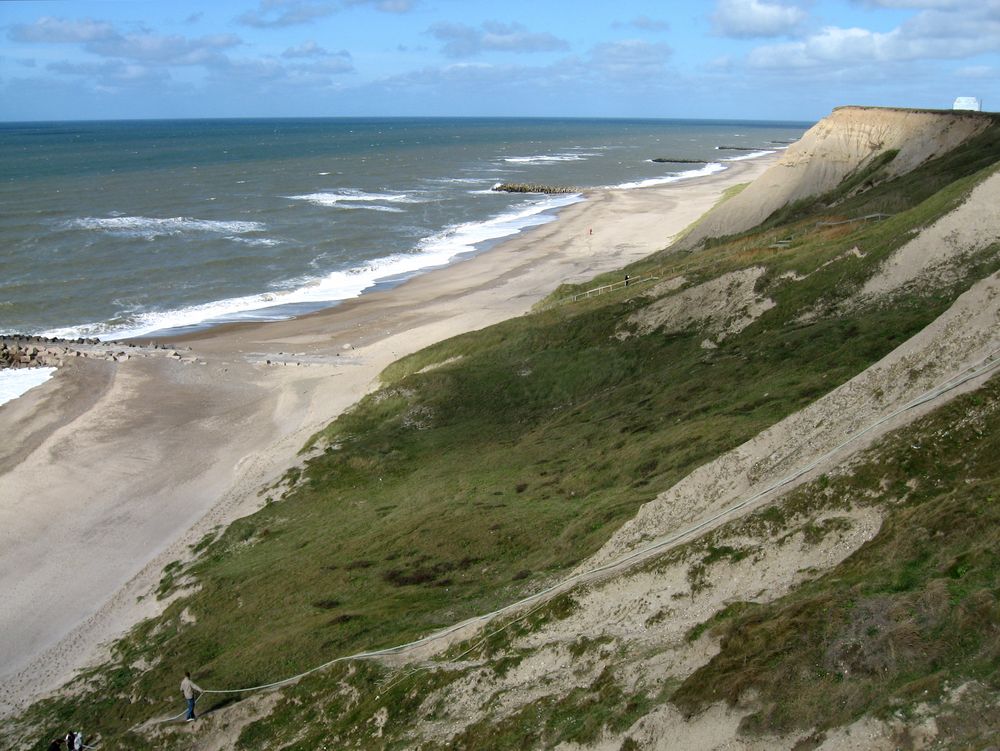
129	228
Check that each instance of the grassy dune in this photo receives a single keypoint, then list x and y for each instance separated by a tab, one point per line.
490	464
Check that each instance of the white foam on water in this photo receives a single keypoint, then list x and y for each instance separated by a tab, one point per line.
150	226
371	207
453	180
751	155
333	198
17	381
262	242
437	250
709	169
550	158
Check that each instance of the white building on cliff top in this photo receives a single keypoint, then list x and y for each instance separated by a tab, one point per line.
967	103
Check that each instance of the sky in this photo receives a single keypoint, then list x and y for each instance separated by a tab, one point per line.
745	59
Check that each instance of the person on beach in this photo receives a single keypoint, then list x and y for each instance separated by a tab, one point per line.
188	687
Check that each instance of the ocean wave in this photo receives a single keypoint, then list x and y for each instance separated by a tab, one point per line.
16	381
332	198
550	158
371	207
150	226
453	180
462	238
709	169
262	242
751	155
436	250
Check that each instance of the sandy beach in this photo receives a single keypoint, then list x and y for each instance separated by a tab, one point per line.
113	469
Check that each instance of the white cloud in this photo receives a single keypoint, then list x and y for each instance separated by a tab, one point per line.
746	19
933	34
168	50
104	40
307	49
387	6
921	4
62	31
115	61
461	40
271	14
112	76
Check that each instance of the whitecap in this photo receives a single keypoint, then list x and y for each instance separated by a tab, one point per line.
751	155
332	198
17	381
263	242
709	169
372	207
454	180
149	226
436	250
549	158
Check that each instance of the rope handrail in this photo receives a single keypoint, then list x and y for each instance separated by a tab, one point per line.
609	287
986	364
865	218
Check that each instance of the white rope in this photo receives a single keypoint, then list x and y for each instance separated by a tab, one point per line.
973	371
983	366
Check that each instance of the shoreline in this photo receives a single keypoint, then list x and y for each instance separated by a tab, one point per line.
269	306
135	461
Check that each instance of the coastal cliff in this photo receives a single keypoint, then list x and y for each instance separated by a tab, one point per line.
840	145
749	502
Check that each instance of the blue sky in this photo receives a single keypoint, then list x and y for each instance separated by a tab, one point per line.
758	59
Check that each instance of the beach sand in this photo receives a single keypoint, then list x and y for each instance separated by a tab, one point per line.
111	470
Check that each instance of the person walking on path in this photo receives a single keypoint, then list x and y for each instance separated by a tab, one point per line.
188	687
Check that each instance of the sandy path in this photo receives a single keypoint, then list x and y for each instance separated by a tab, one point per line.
111	470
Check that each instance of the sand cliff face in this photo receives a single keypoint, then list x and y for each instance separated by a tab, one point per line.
848	139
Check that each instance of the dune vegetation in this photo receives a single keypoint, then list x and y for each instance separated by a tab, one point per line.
491	465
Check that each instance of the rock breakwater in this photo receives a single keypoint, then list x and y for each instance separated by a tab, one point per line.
28	351
534	188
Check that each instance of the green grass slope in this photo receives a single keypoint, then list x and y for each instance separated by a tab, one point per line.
490	464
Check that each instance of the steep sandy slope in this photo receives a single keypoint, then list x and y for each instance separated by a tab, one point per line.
639	622
832	149
933	256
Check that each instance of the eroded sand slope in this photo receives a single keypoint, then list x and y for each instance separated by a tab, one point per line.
851	137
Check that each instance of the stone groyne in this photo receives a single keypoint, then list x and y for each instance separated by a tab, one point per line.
28	351
534	188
